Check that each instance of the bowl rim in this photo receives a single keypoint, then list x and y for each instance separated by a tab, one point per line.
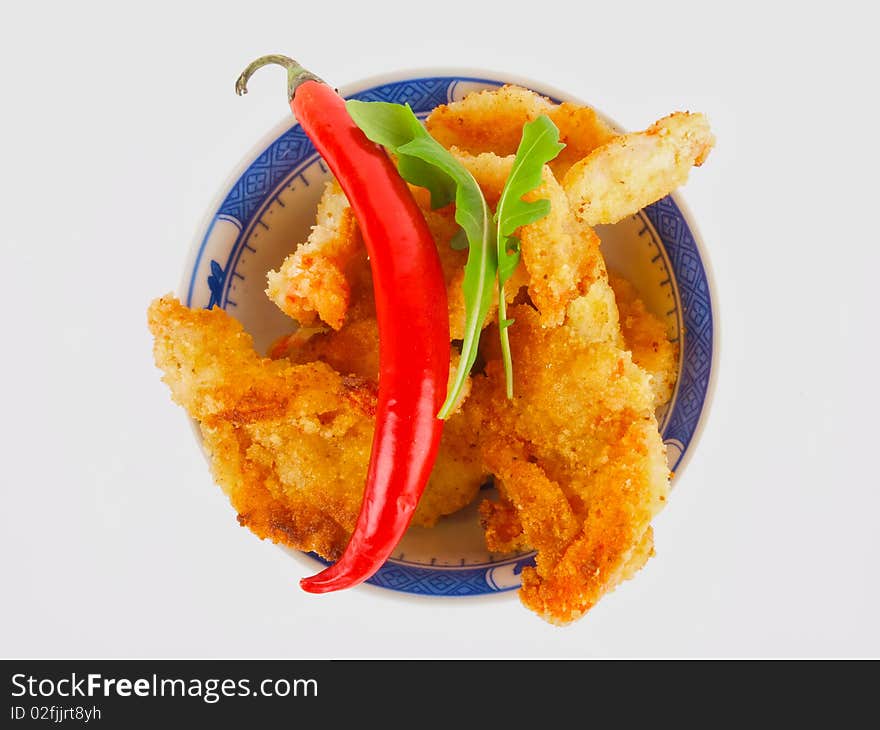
475	74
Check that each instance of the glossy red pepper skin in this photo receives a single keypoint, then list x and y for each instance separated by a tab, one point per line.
413	321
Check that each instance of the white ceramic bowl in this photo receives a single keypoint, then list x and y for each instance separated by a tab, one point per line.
268	205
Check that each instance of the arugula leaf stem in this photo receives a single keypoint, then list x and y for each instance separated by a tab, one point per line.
484	269
506	358
539	144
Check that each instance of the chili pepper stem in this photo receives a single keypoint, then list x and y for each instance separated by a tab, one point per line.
296	74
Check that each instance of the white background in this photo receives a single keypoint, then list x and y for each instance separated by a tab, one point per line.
118	126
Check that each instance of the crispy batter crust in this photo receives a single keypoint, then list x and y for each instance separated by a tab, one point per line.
313	282
287	443
290	443
624	175
560	255
645	336
577	458
492	121
614	176
353	350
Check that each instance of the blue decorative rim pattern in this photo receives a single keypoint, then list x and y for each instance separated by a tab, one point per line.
292	154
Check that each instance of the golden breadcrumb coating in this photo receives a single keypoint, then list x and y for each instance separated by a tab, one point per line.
492	121
312	282
560	255
353	350
624	175
290	443
578	459
505	534
593	316
329	278
502	526
645	336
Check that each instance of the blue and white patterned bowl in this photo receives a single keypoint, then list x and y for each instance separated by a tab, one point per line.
268	206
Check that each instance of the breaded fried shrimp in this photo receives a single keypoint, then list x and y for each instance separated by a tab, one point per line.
624	175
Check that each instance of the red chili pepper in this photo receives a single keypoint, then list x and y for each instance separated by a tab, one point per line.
413	321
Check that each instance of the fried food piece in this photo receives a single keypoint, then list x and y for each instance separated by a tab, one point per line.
624	175
330	275
492	121
328	278
313	282
458	473
290	443
505	534
644	335
502	526
353	350
612	311
593	317
443	228
560	255
577	457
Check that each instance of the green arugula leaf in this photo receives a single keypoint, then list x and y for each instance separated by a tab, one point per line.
423	161
539	144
